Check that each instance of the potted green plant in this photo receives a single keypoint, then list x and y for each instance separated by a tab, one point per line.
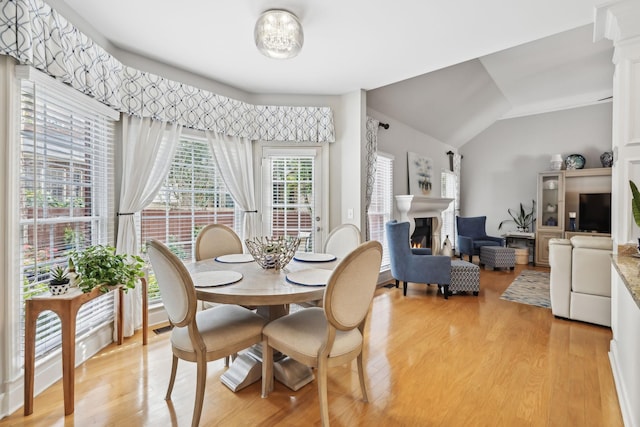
58	282
100	266
522	218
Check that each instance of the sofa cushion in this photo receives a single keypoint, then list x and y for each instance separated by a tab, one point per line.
591	271
592	242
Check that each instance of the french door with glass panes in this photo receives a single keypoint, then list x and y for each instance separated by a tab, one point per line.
292	195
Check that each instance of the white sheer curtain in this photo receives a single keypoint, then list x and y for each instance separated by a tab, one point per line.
372	152
234	158
148	149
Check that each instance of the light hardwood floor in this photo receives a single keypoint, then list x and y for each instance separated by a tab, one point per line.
466	361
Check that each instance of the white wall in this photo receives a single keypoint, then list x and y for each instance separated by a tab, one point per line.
400	139
500	166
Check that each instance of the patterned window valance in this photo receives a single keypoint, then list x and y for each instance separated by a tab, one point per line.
35	34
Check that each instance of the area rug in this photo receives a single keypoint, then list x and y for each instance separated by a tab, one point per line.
530	287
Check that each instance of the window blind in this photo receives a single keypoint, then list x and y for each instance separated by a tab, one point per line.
292	198
66	196
381	207
449	184
192	196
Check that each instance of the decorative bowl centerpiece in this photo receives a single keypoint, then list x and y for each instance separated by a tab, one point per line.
273	252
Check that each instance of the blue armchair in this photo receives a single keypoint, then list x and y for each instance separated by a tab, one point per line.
472	235
414	265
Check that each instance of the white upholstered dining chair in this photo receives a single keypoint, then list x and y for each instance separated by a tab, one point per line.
342	240
198	336
215	240
331	335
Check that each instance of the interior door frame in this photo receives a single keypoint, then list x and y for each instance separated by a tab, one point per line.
321	182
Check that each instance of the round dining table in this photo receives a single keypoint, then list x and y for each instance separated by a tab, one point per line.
271	292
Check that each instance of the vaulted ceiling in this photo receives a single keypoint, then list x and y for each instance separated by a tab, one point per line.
446	68
456	103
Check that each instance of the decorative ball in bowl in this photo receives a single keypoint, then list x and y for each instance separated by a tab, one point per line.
273	252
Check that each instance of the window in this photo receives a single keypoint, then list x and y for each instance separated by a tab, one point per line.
66	193
449	183
193	195
381	207
291	202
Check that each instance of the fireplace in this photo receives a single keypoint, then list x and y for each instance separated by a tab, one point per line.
416	208
421	237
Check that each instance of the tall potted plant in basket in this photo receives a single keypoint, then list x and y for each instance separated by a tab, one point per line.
100	266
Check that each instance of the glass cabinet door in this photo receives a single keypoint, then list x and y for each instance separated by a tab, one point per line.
550	209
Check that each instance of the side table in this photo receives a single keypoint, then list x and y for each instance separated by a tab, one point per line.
66	307
517	239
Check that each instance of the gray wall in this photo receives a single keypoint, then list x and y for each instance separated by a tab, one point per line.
400	139
500	166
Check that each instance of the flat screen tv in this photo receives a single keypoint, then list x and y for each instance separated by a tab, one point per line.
594	213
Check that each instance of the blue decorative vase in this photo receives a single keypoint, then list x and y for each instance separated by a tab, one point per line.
575	161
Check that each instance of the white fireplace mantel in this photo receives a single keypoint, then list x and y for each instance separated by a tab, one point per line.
411	207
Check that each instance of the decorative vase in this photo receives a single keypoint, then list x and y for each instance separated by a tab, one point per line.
575	161
606	159
447	249
58	288
556	162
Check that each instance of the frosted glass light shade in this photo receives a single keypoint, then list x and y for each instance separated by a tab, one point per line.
278	34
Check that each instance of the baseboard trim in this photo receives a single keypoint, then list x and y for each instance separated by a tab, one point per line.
49	369
623	397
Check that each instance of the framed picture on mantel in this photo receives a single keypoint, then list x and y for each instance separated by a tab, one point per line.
420	170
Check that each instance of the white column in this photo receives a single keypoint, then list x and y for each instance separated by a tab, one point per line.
619	21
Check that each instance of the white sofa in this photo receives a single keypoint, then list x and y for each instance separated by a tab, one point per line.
580	283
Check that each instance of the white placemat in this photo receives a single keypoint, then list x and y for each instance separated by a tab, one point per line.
235	258
310	277
314	257
207	279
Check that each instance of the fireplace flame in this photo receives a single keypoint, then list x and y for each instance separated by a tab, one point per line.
416	245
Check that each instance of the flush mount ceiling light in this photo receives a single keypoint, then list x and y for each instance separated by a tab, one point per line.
278	34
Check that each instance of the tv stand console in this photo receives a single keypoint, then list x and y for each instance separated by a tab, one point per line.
558	195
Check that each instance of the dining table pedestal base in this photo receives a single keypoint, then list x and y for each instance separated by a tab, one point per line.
292	373
246	369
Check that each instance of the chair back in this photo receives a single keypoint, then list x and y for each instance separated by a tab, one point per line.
397	234
342	240
351	286
215	240
176	287
472	226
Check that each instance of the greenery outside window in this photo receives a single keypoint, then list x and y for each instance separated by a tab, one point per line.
66	195
192	196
